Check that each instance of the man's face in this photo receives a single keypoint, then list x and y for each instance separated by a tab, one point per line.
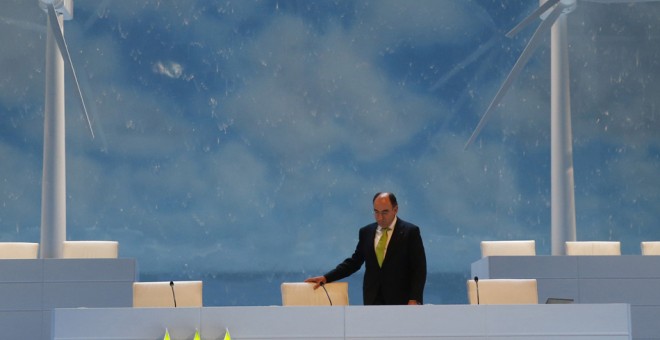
384	212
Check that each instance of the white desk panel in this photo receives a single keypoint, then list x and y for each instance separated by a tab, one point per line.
603	321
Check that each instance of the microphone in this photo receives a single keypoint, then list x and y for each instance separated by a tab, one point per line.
476	282
173	295
326	292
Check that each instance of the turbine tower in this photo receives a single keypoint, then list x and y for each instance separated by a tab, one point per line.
53	190
562	192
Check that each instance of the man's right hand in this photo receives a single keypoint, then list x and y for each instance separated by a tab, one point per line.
317	280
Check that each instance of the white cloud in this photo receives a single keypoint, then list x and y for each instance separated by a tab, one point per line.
169	69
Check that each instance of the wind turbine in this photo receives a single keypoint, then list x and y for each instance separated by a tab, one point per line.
553	14
53	187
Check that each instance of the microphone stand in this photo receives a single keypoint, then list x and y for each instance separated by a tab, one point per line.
173	295
476	282
326	293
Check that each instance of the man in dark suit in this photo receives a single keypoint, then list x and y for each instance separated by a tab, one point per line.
394	258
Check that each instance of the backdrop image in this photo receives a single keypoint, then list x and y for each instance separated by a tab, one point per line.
241	142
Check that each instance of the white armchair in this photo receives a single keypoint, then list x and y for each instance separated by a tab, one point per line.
595	248
90	249
162	294
503	292
650	248
19	250
508	248
303	294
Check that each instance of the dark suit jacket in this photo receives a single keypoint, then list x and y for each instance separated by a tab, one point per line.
403	274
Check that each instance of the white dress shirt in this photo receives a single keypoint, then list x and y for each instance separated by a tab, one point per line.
379	233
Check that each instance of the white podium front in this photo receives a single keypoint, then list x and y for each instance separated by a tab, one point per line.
575	321
31	289
631	279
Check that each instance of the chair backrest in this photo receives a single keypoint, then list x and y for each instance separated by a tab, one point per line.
508	248
90	249
161	294
593	248
19	250
503	292
304	294
650	248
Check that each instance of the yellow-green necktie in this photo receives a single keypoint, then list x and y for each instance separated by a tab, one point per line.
381	246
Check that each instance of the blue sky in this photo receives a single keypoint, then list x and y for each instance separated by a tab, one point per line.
250	136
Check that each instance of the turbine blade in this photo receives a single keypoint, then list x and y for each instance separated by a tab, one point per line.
513	74
619	1
536	14
61	43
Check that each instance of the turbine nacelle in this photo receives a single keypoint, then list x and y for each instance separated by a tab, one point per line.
63	7
568	6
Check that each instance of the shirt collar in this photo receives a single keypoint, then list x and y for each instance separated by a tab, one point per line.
391	226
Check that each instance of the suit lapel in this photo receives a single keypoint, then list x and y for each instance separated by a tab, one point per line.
395	241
